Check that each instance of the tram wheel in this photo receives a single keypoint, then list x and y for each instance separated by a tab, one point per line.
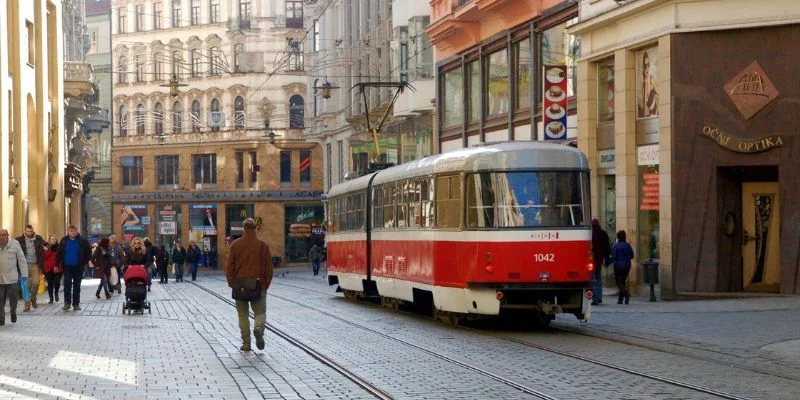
455	319
349	294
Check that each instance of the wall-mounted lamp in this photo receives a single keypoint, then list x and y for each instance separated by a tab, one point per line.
325	89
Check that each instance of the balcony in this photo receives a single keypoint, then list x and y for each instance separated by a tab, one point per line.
78	79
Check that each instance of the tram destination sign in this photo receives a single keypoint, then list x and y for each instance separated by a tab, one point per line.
287	195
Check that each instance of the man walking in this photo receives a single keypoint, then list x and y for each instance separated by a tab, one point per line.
178	259
192	258
118	257
13	267
249	257
33	247
73	253
315	255
601	249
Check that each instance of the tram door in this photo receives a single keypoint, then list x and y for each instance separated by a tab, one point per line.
761	236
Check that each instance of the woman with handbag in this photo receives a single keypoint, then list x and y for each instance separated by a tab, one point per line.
52	269
102	267
139	255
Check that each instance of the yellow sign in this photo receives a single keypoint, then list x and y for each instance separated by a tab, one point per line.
740	145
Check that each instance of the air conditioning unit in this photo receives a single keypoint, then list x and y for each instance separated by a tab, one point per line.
252	62
216	119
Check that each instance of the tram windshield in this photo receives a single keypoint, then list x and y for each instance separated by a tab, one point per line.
527	199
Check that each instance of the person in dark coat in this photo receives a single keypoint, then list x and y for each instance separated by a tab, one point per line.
193	258
178	259
621	255
74	254
162	262
138	255
151	257
102	267
601	249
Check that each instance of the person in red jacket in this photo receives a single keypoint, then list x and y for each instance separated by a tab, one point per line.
52	269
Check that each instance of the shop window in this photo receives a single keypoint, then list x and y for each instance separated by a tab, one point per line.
167	171
236	214
558	47
605	91
205	170
497	90
448	201
305	168
286	168
648	221
302	223
522	58
132	171
168	225
203	225
452	98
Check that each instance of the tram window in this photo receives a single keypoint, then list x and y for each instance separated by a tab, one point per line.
426	203
401	193
377	207
448	201
388	206
520	199
360	213
413	204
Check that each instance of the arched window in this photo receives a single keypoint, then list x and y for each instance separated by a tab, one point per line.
296	111
215	108
158	117
238	58
177	117
123	69
123	120
140	119
238	106
196	121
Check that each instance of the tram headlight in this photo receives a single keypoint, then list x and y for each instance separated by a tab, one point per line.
544	276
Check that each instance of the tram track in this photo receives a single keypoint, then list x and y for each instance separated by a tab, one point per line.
370	388
665	380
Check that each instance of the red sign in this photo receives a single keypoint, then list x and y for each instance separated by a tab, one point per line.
650	193
555	102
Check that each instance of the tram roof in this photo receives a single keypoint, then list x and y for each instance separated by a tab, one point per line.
502	156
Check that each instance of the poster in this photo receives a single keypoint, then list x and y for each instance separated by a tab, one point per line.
605	92
650	192
203	217
132	217
647	83
555	102
168	228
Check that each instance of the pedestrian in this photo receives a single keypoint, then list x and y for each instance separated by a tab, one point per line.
249	273
33	247
192	258
13	268
178	259
601	249
138	256
151	257
52	269
74	254
118	254
162	262
315	255
621	256
101	258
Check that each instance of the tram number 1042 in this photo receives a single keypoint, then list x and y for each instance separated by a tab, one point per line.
544	257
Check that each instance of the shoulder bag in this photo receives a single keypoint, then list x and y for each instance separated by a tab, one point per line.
246	288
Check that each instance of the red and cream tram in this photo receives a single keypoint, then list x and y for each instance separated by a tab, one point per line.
494	230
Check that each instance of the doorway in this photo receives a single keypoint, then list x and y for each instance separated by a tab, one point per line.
761	237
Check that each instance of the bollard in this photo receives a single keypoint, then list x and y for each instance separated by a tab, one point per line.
651	276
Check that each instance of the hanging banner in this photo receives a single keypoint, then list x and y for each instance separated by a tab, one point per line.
132	217
555	102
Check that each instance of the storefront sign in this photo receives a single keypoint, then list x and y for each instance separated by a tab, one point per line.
647	155
168	228
555	102
650	192
219	196
739	145
606	158
132	217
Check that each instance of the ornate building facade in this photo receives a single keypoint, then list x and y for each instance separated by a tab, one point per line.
31	112
209	109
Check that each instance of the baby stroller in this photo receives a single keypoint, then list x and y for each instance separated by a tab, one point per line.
136	290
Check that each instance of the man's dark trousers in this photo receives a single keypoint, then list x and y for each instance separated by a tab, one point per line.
72	285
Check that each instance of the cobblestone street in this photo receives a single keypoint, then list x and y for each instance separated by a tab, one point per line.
188	348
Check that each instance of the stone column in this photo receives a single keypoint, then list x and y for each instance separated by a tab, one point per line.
587	124
665	167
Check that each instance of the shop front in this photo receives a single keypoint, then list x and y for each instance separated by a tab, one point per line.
168	224
304	228
203	231
236	214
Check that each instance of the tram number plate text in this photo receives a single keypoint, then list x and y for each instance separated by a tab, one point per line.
544	257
